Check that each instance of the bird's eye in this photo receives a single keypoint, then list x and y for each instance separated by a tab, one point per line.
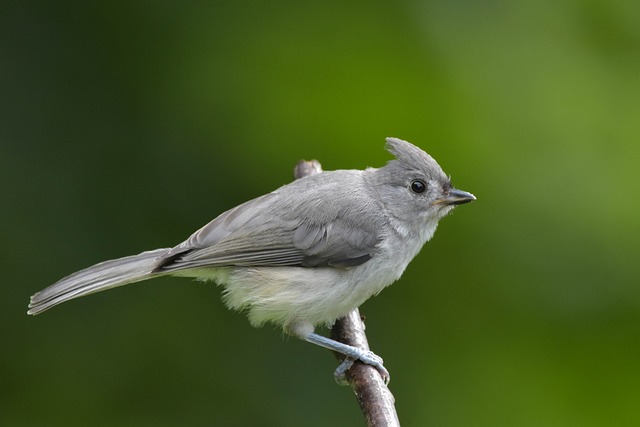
418	186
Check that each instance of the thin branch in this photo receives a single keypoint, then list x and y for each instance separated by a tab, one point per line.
373	395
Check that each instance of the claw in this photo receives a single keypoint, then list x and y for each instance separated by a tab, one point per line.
341	371
367	357
370	358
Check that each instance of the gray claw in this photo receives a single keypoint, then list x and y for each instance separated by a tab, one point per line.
341	371
367	357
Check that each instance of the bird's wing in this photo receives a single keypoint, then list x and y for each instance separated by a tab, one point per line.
273	231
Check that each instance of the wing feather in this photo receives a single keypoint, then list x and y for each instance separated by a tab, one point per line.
329	227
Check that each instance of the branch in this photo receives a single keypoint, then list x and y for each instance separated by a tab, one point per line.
374	398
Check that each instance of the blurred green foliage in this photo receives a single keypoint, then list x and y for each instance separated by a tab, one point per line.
125	126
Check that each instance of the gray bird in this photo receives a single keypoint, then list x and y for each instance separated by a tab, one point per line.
303	255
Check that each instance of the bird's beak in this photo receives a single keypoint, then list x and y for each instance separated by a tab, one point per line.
455	197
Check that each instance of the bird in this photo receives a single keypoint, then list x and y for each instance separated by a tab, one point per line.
304	254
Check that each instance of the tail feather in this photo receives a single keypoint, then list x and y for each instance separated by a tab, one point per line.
102	276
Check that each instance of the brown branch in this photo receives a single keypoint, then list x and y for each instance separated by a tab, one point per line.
373	395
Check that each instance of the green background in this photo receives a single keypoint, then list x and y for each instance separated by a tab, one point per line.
126	125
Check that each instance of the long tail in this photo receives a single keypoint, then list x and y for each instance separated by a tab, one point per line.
106	275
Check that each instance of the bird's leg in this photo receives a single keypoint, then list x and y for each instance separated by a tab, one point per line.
352	354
